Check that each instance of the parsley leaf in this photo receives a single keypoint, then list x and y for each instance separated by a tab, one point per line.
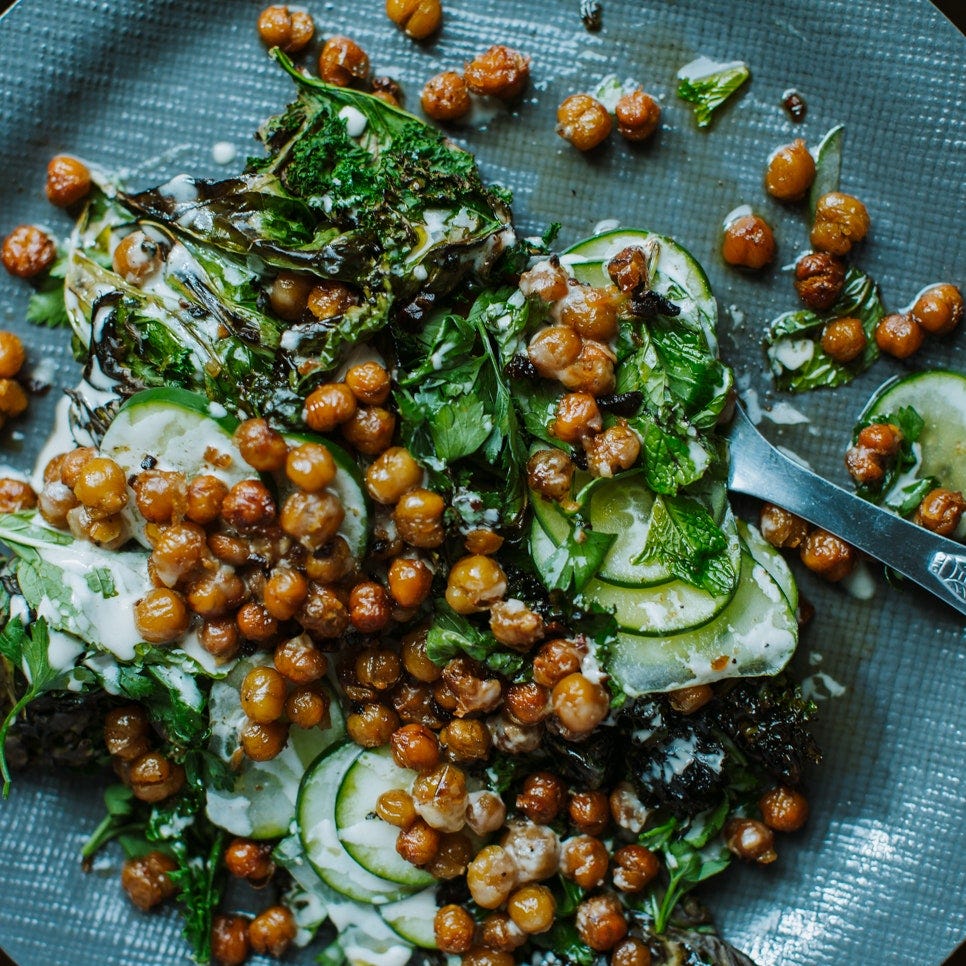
451	634
46	306
707	85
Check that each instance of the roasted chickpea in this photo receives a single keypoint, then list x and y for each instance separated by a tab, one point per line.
819	280
939	309
13	400
137	257
630	951
547	280
248	505
370	430
550	473
884	439
750	839
418	843
466	740
491	876
691	699
864	466
591	312
941	511
532	908
583	121
214	595
230	944
12	355
147	879
15	495
416	661
414	746
554	661
396	807
638	115
589	812
261	447
453	928
329	300
205	497
378	668
27	251
527	703
101	487
840	221
498	72
220	638
328	407
68	181
255	623
634	867
280	27
343	62
289	295
781	528
307	708
419	518
262	694
440	797
584	859
616	448
445	97
483	540
410	582
515	625
284	592
600	922
54	502
748	242
372	725
828	555
312	518
263	741
250	860
593	372
161	616
310	467
483	956
577	417
474	583
579	703
626	808
453	856
154	777
393	473
899	335
485	812
127	732
553	349
790	172
161	495
323	613
501	933
844	339
272	931
542	797
783	809
369	383
628	269
416	18
330	563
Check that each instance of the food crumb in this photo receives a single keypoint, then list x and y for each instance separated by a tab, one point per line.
224	152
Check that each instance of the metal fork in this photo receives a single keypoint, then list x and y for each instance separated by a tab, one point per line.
758	469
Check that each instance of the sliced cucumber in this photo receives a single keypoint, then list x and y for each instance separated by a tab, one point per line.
366	837
939	396
541	548
762	552
315	817
755	634
412	918
348	486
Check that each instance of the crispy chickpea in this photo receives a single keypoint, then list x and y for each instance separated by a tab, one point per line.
591	312
513	738
790	172
393	473
379	669
410	581
369	383
628	269
219	638
289	295
485	812
261	447
453	928
844	339
748	242
491	876
577	417
250	860
453	856
372	725
161	495
27	251
616	448
68	181
630	951
312	518
691	699
466	740
74	462
638	115
310	467
841	220
828	555
819	280
54	502
864	466
589	812
284	592
751	840
280	27
330	300
214	595
147	881
416	661
440	797
255	623
323	613
498	72
396	807
600	922
343	62
307	708
13	400
101	487
940	511
501	933
414	746
272	931
230	944
329	406
550	473
419	518
474	583
583	121
579	703
883	439
330	563
514	624
939	309
370	430
137	257
634	867
248	505
204	499
15	495
899	335
783	809
782	528
445	97
417	19
584	860
12	355
593	372
547	280
418	843
532	908
554	661
263	741
178	550
483	956
161	616
553	349
154	777
262	694
542	797
127	732
234	551
626	808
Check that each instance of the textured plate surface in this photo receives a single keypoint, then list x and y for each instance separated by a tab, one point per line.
879	874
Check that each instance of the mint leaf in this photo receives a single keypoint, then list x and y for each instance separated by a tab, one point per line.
828	166
668	464
101	582
576	561
451	635
707	85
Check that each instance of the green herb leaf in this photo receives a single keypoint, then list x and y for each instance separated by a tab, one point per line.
828	165
669	458
460	428
577	559
46	306
452	634
101	582
707	85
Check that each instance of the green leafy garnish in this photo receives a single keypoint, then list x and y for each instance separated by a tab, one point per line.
828	165
452	634
120	804
707	85
46	306
577	559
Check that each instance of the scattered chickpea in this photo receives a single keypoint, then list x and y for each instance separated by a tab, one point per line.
16	495
418	19
127	732
27	251
498	72
748	242
289	29
13	400
248	505
68	181
330	300
204	499
466	740
307	708
628	269
501	933
790	173
369	383
453	928
137	257
369	607
841	220
593	371
392	474
491	876
261	447
553	349
484	956
372	725
250	860
600	922
284	592
616	448
638	115
328	407
689	700
939	309
396	807
542	797
230	944
547	280
819	280
554	661
161	616
272	931
414	746
410	581
751	840
369	430
782	528
419	518
550	473
783	809
532	908
583	121
580	704
634	867
941	511
289	295
147	879
452	857
630	951
589	812
445	97
584	859
12	355
577	416
828	555
899	335
343	62
418	843
844	339
474	583
154	777
323	614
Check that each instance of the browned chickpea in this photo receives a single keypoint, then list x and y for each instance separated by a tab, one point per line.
485	813
261	447
626	808
410	582
255	623
284	592
330	563
396	807
440	797
415	747
593	372
263	741
147	881
790	172
220	638
27	251
418	19
343	62
591	312
290	30
417	703
393	473
781	528
214	595
940	511
583	121
554	661
307	708
12	355
466	740
154	777
379	669
630	952
312	518
415	660
584	859
230	550
390	93
689	700
329	406
483	956
205	497
899	335
250	860
369	607
628	269
616	448
600	922
783	809
939	309
840	221
137	257
864	466
542	797
550	473
372	725
369	383
748	242
577	417
500	933
579	703
289	295
453	928
491	876
370	430
445	97
248	505
589	812
828	555
553	349
515	625
101	487
68	181
330	300
262	694
229	940
883	439
454	854
13	400
418	843
419	518
54	502
272	931
819	280
498	72
161	616
844	339
178	550
547	280
15	495
322	613
634	867
161	495
527	703
474	583
532	908
638	115
127	732
750	839
310	467
73	462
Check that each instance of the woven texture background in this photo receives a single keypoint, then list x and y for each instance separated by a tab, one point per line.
879	874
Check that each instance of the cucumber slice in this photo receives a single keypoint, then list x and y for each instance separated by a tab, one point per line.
315	817
366	837
762	552
412	918
755	634
261	802
348	486
939	396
